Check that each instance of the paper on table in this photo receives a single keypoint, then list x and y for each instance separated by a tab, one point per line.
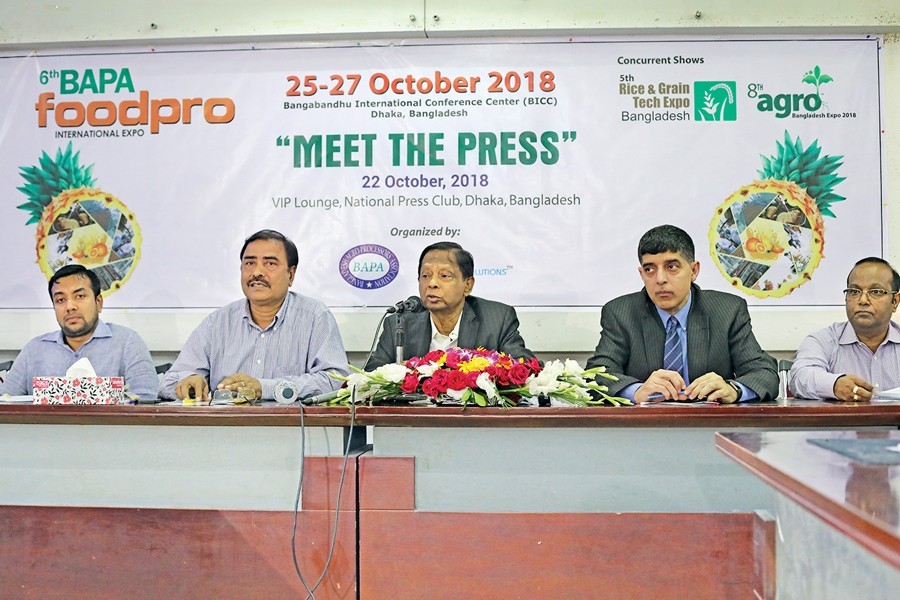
16	399
81	368
697	402
893	394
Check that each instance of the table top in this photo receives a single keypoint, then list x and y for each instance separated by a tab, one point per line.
862	500
789	414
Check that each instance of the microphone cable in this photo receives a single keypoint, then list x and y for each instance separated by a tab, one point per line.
377	334
337	509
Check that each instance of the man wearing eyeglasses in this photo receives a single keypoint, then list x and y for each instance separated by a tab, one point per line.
853	359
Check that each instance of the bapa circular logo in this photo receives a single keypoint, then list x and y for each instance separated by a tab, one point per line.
369	266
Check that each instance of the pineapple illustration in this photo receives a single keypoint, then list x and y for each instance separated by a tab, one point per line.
768	237
77	222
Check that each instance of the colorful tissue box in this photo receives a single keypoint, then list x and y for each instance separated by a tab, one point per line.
78	390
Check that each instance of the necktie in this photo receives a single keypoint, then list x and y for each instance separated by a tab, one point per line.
673	358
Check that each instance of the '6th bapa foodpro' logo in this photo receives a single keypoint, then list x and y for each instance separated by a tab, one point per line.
369	266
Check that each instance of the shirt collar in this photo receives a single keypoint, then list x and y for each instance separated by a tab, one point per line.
681	315
848	335
454	334
279	316
101	331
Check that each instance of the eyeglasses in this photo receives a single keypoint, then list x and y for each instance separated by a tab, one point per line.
873	294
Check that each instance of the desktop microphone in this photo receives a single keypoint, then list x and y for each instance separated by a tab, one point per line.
285	392
411	304
321	398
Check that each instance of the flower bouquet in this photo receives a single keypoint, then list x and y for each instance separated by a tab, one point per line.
480	377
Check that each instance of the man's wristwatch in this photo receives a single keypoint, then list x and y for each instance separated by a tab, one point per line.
737	389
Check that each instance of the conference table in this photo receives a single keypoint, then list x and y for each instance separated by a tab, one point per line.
176	501
837	504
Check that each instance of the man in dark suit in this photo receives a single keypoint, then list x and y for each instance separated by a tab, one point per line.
674	341
452	317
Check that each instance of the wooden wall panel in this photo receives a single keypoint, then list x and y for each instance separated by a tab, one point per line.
764	527
94	553
387	482
555	555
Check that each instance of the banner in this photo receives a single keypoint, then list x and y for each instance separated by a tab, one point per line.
546	159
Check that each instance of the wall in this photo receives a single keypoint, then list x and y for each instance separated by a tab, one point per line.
26	24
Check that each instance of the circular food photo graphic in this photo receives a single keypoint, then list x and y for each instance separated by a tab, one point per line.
767	238
89	227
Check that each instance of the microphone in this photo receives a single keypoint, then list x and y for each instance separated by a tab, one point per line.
285	392
320	398
411	304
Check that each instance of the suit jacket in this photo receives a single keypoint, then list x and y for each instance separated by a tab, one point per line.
483	324
719	338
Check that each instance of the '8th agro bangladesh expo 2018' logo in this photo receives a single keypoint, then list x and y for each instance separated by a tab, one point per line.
787	104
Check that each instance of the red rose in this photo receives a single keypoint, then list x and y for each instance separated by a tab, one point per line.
410	383
433	356
456	380
518	373
439	380
498	375
452	361
535	365
429	389
472	379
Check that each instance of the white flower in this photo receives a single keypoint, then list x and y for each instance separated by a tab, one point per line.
427	370
544	382
553	369
577	381
573	368
485	383
456	394
358	381
393	372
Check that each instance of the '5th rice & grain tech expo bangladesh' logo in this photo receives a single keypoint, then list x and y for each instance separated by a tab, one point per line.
715	101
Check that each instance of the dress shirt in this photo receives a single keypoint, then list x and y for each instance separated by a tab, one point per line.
682	317
827	354
301	345
114	351
439	341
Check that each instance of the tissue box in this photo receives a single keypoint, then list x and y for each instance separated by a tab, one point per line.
78	390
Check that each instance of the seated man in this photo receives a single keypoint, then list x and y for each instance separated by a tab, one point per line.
452	318
114	351
273	334
674	341
850	359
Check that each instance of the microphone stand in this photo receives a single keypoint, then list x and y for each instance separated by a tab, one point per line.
398	335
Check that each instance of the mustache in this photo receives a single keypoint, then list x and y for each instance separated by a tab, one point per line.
258	279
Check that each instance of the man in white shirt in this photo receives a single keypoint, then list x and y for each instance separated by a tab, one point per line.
850	360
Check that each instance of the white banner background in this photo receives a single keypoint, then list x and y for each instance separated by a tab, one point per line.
198	189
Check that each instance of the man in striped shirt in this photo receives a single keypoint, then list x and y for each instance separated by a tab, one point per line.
852	359
273	334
